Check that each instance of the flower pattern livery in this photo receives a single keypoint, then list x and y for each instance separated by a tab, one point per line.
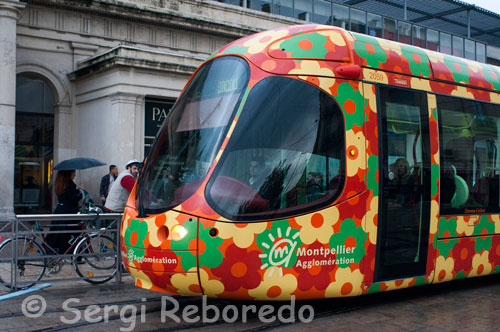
331	251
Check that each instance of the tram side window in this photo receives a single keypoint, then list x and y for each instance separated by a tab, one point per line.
470	166
286	155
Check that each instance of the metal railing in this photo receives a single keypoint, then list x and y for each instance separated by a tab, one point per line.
92	245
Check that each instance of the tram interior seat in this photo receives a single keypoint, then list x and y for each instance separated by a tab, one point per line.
486	191
461	190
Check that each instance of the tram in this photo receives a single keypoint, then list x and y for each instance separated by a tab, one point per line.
314	162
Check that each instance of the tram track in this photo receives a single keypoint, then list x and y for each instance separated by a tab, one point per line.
154	320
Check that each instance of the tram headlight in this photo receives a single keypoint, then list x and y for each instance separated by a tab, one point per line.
178	232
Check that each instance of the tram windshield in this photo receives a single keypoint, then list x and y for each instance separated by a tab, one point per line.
286	155
192	134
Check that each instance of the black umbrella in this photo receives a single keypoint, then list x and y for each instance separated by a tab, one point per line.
78	163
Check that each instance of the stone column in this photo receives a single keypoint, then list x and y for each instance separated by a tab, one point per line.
9	14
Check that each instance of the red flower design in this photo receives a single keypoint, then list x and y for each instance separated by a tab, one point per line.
312	271
462	254
494	256
239	269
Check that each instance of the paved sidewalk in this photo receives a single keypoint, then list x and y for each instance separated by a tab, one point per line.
465	305
13	319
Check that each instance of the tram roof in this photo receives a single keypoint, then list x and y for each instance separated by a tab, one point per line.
318	50
444	15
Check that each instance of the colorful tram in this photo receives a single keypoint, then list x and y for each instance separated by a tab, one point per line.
314	162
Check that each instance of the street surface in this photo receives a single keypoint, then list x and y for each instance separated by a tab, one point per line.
465	305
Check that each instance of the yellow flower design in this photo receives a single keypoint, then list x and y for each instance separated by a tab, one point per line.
496	219
369	93
356	160
495	97
334	36
141	279
318	226
473	67
464	227
349	37
188	284
153	232
370	222
243	235
125	221
347	283
432	105
481	265
434	217
461	91
388	46
211	288
397	284
444	269
420	84
275	286
311	67
261	40
435	57
375	76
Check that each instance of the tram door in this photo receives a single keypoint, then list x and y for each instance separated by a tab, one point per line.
404	179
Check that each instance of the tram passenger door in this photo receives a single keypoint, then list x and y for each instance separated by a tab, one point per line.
404	179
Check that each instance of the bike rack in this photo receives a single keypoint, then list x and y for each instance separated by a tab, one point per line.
24	225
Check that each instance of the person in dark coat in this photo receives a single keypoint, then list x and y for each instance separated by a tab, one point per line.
106	182
68	196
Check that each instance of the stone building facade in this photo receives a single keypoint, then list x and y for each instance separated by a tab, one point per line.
95	78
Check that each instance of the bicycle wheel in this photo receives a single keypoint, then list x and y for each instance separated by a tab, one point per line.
96	258
30	265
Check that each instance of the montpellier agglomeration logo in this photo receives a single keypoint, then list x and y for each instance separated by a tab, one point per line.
283	248
130	255
279	246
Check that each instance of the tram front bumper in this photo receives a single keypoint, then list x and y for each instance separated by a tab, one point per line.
161	252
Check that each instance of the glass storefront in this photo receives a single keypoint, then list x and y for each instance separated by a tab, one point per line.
34	155
357	20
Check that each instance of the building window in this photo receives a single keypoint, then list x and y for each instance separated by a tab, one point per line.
358	20
481	52
404	32
470	49
322	12
340	16
283	7
303	9
432	40
444	43
374	25
34	154
233	2
390	29
262	5
419	36
458	46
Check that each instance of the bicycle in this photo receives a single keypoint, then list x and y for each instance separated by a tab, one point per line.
94	258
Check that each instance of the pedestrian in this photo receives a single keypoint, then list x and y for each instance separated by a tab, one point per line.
68	196
161	183
106	182
121	188
255	171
